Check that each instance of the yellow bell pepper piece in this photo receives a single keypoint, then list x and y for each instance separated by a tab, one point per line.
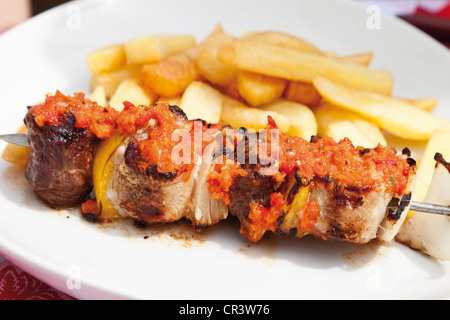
102	172
292	218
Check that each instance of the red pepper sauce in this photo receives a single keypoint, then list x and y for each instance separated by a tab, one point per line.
88	114
378	169
157	148
90	207
311	213
174	144
221	180
262	219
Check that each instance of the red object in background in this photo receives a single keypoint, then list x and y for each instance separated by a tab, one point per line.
444	12
436	24
16	284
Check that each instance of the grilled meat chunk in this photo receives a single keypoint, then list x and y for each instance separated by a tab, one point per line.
150	196
252	185
63	133
343	212
149	185
59	168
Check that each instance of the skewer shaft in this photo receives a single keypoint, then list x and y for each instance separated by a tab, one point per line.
429	208
16	138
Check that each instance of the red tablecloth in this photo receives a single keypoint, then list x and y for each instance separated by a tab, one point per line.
16	284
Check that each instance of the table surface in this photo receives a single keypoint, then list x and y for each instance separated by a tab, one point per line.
15	284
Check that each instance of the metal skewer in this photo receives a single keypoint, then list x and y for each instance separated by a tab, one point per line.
430	208
16	138
22	140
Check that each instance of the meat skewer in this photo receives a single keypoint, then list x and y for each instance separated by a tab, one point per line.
330	189
23	140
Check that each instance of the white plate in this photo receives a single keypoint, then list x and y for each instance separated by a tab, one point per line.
90	261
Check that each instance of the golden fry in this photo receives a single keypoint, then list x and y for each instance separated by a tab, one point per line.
283	40
364	58
15	154
98	95
175	101
302	92
303	121
130	90
201	101
393	115
239	115
148	49
207	63
106	59
339	123
170	76
427	104
110	81
214	70
258	89
303	66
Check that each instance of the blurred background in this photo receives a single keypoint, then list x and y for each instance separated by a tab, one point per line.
432	16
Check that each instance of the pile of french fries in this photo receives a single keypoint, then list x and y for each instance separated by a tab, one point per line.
241	81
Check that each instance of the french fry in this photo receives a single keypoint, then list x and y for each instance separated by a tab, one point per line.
393	115
258	89
302	92
207	63
303	66
233	91
201	101
130	90
98	95
303	121
106	59
340	123
15	154
214	70
346	129
170	76
427	104
283	40
171	101
110	81
148	49
216	38
248	35
364	58
239	115
289	41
